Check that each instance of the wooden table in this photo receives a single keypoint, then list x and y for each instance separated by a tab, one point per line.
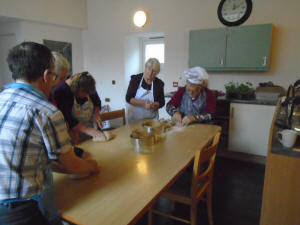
129	182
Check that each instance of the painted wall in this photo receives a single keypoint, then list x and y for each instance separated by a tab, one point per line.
10	34
109	23
32	31
11	28
37	32
132	59
62	12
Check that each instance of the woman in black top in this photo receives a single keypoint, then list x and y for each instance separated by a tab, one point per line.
145	93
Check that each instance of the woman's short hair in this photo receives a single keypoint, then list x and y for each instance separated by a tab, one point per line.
154	64
83	82
61	63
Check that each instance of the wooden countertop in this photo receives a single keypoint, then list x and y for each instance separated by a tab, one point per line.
129	182
281	196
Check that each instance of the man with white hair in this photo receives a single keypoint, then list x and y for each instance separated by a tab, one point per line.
194	102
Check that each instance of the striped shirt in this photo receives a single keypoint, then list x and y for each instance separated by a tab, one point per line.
32	132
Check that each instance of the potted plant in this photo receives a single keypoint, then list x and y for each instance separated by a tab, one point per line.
242	90
231	90
246	91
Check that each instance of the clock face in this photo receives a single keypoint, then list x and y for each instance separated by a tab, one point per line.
234	12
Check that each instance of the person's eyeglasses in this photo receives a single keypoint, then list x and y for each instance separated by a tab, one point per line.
85	73
54	76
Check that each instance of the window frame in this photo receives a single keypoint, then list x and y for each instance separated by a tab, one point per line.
153	40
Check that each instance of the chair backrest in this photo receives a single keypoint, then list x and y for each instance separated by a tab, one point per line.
113	115
203	168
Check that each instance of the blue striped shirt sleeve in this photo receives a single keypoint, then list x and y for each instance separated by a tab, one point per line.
55	136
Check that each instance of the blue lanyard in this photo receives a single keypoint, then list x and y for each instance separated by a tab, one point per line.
29	87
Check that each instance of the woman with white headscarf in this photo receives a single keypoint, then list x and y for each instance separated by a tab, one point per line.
194	102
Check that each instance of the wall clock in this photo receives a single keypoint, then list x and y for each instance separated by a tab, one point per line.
234	12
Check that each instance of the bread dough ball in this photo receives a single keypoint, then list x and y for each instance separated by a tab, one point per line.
138	133
107	135
99	139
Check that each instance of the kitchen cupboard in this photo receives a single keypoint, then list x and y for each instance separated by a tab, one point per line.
249	126
244	48
207	48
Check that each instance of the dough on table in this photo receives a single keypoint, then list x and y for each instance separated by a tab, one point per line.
106	137
78	176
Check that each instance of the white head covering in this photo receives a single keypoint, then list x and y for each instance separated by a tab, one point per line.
196	75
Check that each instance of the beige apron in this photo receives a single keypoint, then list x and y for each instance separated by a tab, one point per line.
85	114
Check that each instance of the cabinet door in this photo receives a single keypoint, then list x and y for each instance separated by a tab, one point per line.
248	47
207	48
249	128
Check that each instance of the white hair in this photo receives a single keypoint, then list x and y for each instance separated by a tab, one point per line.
61	63
154	64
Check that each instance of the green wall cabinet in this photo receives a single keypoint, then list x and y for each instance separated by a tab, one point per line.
244	48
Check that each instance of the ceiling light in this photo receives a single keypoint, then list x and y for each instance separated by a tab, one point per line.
140	18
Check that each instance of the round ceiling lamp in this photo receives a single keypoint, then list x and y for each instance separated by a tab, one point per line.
140	18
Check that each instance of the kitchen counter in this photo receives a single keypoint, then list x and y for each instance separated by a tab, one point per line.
254	101
223	98
281	194
276	146
169	95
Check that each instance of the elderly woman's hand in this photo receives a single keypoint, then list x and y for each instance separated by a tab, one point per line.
187	120
154	105
177	117
147	104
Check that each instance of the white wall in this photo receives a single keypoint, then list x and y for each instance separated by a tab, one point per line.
132	57
62	12
10	34
37	32
11	28
109	23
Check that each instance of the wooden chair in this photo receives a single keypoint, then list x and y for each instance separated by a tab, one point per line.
114	115
200	182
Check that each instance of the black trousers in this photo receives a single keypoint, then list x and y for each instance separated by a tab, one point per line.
21	213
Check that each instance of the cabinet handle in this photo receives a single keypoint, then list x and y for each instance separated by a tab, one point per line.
221	61
264	60
232	113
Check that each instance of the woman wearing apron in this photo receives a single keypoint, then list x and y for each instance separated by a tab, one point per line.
145	93
194	102
80	104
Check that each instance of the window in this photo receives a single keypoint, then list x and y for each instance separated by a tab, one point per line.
154	48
